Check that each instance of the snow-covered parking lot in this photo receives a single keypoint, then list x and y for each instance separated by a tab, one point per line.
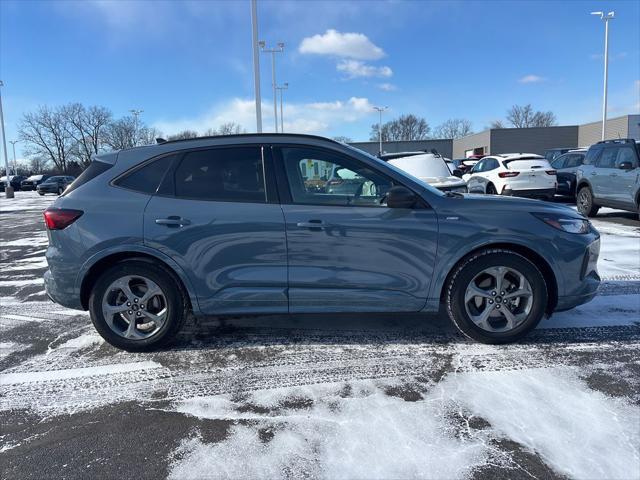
378	396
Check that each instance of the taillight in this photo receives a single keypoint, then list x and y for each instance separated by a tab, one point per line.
60	218
508	174
551	172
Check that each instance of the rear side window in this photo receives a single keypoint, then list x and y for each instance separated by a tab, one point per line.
222	174
146	178
626	154
94	169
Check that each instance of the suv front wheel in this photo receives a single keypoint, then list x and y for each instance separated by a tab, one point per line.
496	296
137	306
585	204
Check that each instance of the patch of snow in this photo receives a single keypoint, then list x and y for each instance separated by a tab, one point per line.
7	348
32	241
83	341
578	432
21	283
51	375
602	311
619	257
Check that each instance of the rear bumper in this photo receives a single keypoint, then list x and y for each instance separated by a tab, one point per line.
530	193
67	297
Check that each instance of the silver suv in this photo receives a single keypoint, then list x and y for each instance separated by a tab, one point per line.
609	177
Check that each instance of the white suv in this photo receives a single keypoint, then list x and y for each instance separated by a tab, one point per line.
517	174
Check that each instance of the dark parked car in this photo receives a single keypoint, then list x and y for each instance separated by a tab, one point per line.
566	166
14	180
552	153
56	184
32	182
227	226
610	177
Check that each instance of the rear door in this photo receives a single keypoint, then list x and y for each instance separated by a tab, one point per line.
216	214
347	251
624	182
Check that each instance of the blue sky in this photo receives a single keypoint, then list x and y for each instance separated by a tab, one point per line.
188	64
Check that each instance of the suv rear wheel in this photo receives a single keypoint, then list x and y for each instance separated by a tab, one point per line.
584	202
496	296
137	306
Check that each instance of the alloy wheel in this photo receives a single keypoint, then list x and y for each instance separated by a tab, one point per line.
498	299
134	307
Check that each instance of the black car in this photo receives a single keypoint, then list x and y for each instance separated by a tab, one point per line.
55	184
14	180
30	183
566	166
552	153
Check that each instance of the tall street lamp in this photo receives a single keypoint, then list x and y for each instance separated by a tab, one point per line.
273	52
136	113
15	165
8	189
605	18
256	63
285	86
380	110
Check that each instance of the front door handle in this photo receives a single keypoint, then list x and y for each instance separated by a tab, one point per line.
173	221
593	173
312	224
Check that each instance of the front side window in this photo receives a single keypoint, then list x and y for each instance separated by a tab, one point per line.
608	158
222	174
593	154
318	177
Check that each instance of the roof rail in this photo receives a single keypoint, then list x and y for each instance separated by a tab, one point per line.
617	140
240	135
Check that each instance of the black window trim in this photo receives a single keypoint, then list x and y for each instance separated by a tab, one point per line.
271	193
284	189
139	166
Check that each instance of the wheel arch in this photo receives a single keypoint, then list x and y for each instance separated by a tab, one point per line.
93	272
545	268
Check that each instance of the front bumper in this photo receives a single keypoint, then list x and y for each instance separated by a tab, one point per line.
530	193
588	282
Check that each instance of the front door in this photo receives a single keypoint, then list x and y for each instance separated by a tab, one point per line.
347	251
214	216
624	181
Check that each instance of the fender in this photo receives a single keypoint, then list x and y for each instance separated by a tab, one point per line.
137	248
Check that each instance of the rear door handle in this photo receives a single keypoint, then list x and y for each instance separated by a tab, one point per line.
312	224
173	221
613	174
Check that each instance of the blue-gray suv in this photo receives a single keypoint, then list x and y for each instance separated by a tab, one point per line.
249	224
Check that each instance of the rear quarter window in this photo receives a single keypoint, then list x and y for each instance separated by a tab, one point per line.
146	178
94	169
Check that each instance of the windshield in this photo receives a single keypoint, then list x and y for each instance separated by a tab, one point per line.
527	164
35	177
423	166
51	180
404	173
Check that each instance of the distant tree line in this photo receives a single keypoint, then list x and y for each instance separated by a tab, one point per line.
412	127
64	139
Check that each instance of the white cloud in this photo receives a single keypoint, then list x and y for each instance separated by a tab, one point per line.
356	68
532	79
312	117
387	87
348	45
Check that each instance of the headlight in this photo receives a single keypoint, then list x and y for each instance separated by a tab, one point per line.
566	224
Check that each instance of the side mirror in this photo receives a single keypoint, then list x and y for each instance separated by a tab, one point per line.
457	172
626	166
400	197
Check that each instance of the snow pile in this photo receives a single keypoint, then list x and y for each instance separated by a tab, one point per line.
356	430
83	341
320	432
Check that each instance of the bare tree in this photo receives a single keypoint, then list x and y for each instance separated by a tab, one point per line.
184	135
523	116
37	164
453	128
497	124
88	127
46	134
405	127
229	128
121	133
343	139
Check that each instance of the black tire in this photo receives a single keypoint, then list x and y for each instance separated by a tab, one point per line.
176	303
491	190
585	202
40	193
60	191
469	268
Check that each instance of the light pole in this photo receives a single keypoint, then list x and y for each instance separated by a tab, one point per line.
256	63
273	52
285	86
605	18
8	190
380	110
135	114
15	165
